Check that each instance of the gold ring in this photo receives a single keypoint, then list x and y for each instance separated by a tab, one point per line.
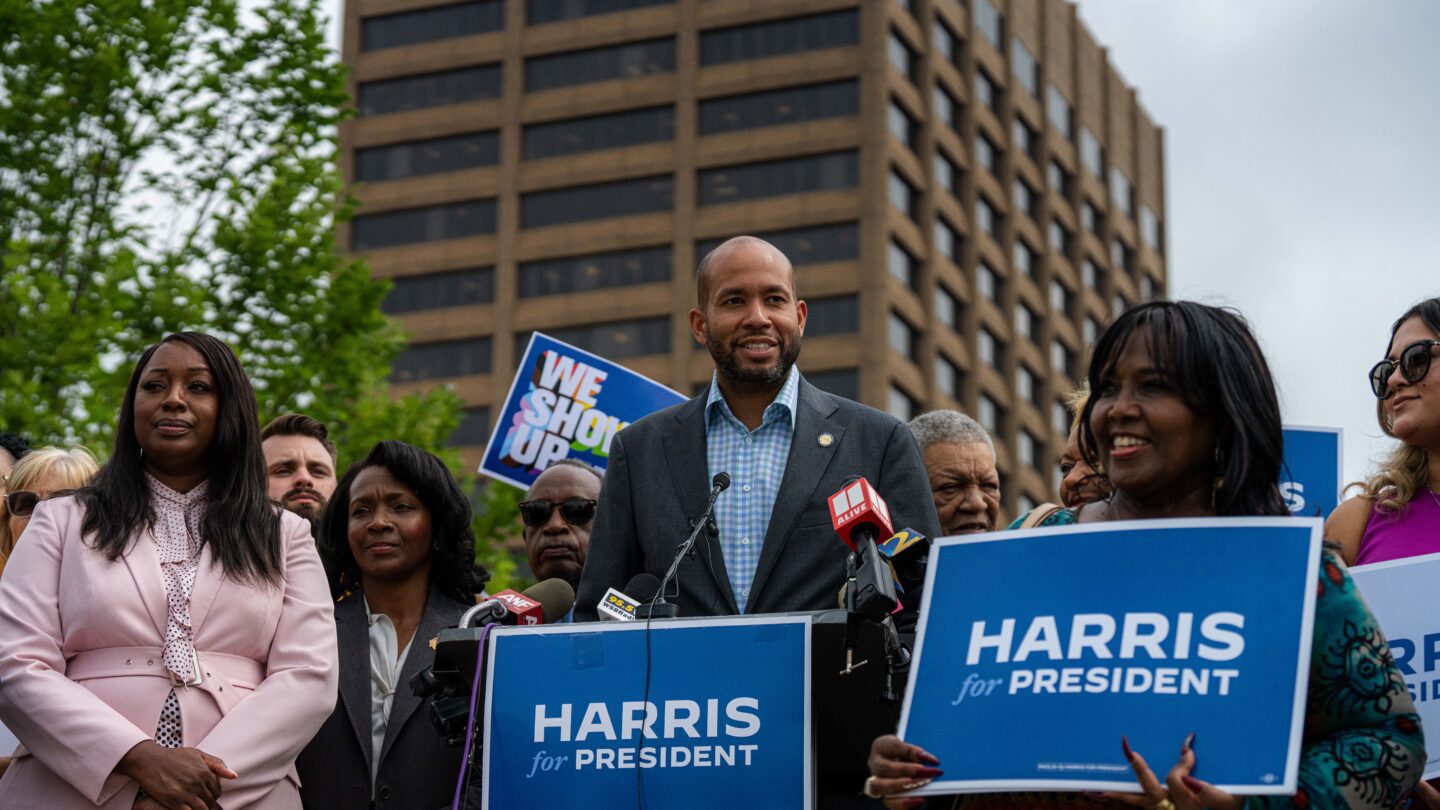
869	790
1165	804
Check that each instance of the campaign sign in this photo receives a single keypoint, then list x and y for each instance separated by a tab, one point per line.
1310	479
726	723
1037	650
566	403
1401	594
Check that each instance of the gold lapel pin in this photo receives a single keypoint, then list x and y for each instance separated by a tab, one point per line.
825	440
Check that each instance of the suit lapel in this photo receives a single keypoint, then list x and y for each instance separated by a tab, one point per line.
440	612
354	638
683	443
207	585
143	560
804	468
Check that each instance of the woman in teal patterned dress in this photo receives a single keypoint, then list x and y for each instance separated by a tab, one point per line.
1185	421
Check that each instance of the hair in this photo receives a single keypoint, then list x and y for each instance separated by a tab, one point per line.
298	424
571	462
1075	400
14	444
1404	470
74	467
948	427
702	287
453	570
1216	365
241	526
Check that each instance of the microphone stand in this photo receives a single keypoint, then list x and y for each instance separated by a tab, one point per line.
658	606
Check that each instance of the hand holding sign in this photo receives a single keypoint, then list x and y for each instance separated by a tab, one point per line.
1180	790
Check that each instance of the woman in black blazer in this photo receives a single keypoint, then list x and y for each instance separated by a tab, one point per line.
399	553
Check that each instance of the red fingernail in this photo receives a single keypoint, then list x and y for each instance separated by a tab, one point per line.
929	773
1125	746
1193	784
925	756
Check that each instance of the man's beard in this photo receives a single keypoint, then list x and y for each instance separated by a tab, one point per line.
731	371
310	510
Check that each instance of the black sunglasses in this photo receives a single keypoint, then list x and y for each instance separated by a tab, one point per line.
576	511
22	502
1414	365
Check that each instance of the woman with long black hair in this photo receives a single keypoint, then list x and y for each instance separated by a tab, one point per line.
166	636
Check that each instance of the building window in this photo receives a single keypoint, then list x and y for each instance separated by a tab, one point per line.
1092	154
1091	219
945	42
903	338
789	105
547	11
1059	238
1026	451
1060	419
1090	331
814	244
902	57
1022	137
987	21
780	37
474	428
947	241
1090	275
902	125
903	267
944	172
1024	67
1025	384
450	358
428	90
1118	306
1058	178
1120	190
986	219
621	198
1147	289
832	316
595	272
599	132
947	377
1024	258
1060	358
431	24
986	153
1024	321
1023	197
1059	298
632	338
986	92
902	194
431	223
776	178
989	414
416	158
987	283
1119	255
945	106
987	348
628	61
842	383
947	308
1149	228
453	288
1057	110
899	405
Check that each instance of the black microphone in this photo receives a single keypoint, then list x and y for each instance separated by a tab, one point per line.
645	588
718	484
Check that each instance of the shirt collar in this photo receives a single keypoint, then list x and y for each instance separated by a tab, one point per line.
782	405
183	499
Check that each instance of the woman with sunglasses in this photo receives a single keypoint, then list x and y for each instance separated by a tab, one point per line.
400	556
166	639
1397	513
49	472
1185	420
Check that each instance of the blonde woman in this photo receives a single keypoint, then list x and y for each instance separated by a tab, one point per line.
49	472
1397	513
1079	482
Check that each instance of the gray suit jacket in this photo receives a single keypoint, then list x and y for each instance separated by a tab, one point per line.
417	768
657	478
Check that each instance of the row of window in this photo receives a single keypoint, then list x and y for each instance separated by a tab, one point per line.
477	17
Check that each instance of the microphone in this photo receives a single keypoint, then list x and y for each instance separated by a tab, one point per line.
620	606
542	603
908	553
718	484
645	586
861	518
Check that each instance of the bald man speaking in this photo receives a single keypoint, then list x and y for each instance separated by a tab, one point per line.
786	445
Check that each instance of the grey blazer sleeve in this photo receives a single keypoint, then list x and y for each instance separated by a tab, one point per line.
614	541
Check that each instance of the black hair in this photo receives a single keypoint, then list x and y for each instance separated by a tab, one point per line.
453	570
241	526
1212	358
15	445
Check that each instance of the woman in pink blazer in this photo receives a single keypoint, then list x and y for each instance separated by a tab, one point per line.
166	634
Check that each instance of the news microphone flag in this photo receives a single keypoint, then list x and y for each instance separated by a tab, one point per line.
523	608
858	508
906	551
616	606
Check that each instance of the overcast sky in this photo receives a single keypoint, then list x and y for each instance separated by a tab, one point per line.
1303	184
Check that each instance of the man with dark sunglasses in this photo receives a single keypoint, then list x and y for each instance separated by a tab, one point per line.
557	512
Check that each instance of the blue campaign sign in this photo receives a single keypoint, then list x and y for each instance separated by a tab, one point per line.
1310	480
1037	650
566	403
726	723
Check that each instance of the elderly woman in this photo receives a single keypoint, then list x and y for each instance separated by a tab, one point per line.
960	463
1080	483
49	472
166	634
1185	420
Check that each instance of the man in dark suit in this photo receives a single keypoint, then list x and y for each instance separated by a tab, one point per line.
786	445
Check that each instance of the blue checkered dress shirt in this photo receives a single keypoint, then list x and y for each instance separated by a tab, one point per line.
755	461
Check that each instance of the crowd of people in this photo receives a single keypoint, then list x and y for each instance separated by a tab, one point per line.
218	617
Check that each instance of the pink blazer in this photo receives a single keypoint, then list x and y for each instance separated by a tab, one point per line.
81	680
